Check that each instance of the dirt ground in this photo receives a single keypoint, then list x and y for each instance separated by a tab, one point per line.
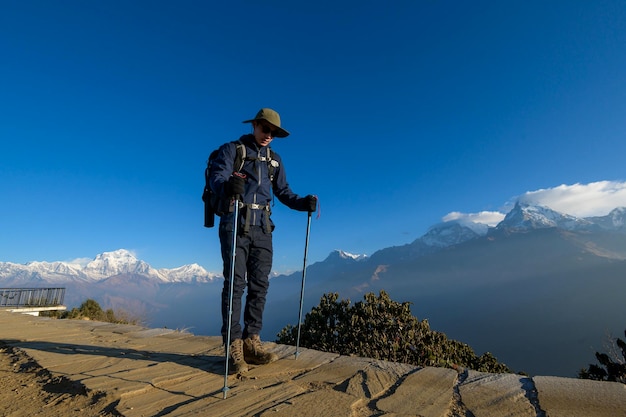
26	389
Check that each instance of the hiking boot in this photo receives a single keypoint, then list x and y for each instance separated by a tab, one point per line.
254	353
237	363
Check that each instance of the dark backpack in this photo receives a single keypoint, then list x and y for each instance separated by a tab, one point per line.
213	204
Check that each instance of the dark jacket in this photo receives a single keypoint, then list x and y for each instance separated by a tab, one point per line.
258	189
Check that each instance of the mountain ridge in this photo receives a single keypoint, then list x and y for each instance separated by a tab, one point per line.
538	275
523	217
103	266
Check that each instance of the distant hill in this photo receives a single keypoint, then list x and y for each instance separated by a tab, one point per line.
541	290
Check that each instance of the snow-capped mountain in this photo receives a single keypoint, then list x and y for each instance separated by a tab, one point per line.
615	220
188	273
453	233
526	217
524	277
118	262
493	287
339	259
523	217
103	266
346	255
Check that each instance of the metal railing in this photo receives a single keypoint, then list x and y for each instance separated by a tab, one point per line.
31	297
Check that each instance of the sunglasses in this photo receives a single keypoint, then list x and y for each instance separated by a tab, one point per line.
265	128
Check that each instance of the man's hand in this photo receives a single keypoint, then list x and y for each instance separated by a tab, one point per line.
310	203
236	185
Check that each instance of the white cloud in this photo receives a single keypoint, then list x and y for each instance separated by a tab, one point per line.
581	200
490	218
82	262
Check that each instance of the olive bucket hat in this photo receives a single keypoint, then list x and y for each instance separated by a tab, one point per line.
271	117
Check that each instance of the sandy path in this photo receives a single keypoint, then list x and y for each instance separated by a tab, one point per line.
26	389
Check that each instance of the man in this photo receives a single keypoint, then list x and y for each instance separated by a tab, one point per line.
261	174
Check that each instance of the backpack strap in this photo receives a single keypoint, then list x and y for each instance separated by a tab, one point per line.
240	157
271	163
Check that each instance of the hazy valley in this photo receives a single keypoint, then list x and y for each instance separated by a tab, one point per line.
541	290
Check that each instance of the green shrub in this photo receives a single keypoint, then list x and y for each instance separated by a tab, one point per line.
91	310
611	368
381	328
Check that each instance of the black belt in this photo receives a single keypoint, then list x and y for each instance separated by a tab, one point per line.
255	206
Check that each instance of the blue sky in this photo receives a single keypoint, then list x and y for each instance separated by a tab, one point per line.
400	113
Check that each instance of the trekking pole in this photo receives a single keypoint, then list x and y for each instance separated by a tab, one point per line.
306	251
230	291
